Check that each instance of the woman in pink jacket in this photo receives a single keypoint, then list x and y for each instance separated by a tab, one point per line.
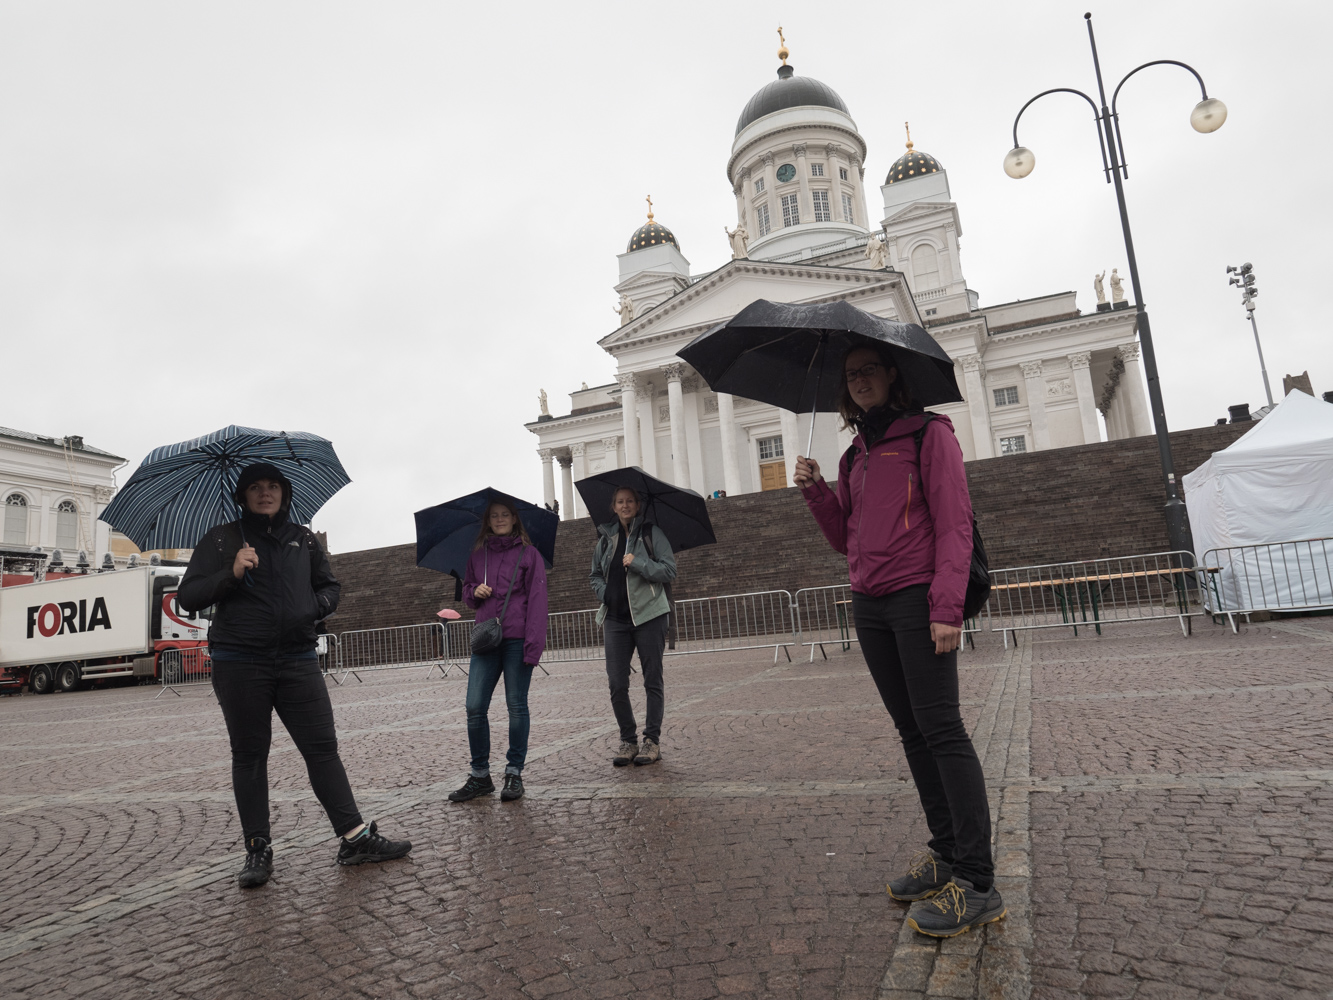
903	518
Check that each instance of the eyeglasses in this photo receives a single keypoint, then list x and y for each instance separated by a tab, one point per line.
865	371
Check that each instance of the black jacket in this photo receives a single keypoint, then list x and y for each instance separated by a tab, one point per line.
277	610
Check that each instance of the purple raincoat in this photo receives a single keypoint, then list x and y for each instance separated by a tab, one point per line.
494	564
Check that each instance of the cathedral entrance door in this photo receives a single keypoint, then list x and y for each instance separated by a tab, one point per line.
773	476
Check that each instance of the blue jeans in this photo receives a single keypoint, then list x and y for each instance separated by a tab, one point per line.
483	674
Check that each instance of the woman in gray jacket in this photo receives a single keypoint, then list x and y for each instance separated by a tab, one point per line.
631	567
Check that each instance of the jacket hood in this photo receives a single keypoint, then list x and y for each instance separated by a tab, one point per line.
500	542
900	425
610	528
252	474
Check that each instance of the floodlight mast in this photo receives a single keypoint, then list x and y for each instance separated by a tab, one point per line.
1245	280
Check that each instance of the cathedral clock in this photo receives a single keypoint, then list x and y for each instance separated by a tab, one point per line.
786	172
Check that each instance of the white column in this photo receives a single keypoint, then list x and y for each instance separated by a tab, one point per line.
1087	402
770	196
680	462
726	422
580	471
648	430
566	489
835	185
629	413
612	446
978	406
694	445
803	176
548	476
1131	383
1036	390
791	443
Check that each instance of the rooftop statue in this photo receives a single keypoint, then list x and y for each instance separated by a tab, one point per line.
877	253
739	240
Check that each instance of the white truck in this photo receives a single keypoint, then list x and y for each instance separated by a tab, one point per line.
59	634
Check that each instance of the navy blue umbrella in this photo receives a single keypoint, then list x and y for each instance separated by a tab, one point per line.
447	532
180	491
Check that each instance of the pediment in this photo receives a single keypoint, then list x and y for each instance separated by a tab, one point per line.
920	209
720	295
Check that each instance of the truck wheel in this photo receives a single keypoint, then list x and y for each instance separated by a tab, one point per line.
173	673
42	679
68	676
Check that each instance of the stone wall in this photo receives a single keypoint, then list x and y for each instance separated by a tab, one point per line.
1067	503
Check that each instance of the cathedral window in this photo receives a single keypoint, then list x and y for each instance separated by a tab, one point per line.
847	212
1013	445
770	448
842	173
761	214
1008	396
822	213
925	268
67	525
759	186
16	519
816	170
791	213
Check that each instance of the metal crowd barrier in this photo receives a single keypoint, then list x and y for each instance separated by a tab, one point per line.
1279	576
573	636
178	667
1095	592
326	649
397	648
824	616
735	621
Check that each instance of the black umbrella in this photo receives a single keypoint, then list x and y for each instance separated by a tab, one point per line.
791	355
681	514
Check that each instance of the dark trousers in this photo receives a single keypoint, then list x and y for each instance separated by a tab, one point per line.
483	674
249	691
622	639
920	690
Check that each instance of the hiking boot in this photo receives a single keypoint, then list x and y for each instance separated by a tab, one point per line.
513	788
649	752
368	845
626	754
927	874
473	787
258	863
956	908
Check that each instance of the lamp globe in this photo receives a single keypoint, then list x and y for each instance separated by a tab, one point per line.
1208	115
1019	161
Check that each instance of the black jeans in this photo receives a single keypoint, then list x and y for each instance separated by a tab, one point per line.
249	691
920	690
622	638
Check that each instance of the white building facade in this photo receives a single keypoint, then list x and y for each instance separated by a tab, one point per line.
1034	374
52	491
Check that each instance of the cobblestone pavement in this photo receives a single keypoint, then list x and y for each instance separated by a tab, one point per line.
1163	804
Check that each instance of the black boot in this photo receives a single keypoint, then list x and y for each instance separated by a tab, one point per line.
258	863
473	787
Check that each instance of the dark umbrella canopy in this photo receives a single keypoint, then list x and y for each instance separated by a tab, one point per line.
447	532
681	514
791	355
180	491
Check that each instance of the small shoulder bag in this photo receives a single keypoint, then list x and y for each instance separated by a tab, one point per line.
487	635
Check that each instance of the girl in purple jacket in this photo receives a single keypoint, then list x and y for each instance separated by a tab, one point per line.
903	518
504	560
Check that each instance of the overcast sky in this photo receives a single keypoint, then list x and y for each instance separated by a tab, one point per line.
393	223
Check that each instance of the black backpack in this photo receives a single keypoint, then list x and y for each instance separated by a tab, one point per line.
978	576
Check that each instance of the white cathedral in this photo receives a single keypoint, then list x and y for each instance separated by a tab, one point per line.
1033	373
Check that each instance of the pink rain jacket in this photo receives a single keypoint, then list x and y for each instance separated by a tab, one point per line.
892	535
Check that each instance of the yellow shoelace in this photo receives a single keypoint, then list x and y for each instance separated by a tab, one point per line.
922	860
951	896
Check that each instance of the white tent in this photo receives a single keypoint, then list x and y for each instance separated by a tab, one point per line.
1272	485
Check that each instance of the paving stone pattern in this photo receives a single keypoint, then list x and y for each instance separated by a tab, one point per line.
1162	807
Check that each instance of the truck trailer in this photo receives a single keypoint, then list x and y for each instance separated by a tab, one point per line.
60	634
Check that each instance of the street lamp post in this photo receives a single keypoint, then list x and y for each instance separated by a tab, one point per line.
1207	116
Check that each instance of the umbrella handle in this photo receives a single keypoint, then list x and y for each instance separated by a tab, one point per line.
814	407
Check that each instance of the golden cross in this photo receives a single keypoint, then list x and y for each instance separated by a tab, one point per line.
649	199
781	40
908	126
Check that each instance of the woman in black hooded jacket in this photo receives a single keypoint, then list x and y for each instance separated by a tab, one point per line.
271	584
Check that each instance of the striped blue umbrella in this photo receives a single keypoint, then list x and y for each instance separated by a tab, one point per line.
180	491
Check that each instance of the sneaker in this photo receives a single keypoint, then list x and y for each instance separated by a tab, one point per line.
649	752
473	787
955	909
368	845
258	863
626	754
513	788
927	874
